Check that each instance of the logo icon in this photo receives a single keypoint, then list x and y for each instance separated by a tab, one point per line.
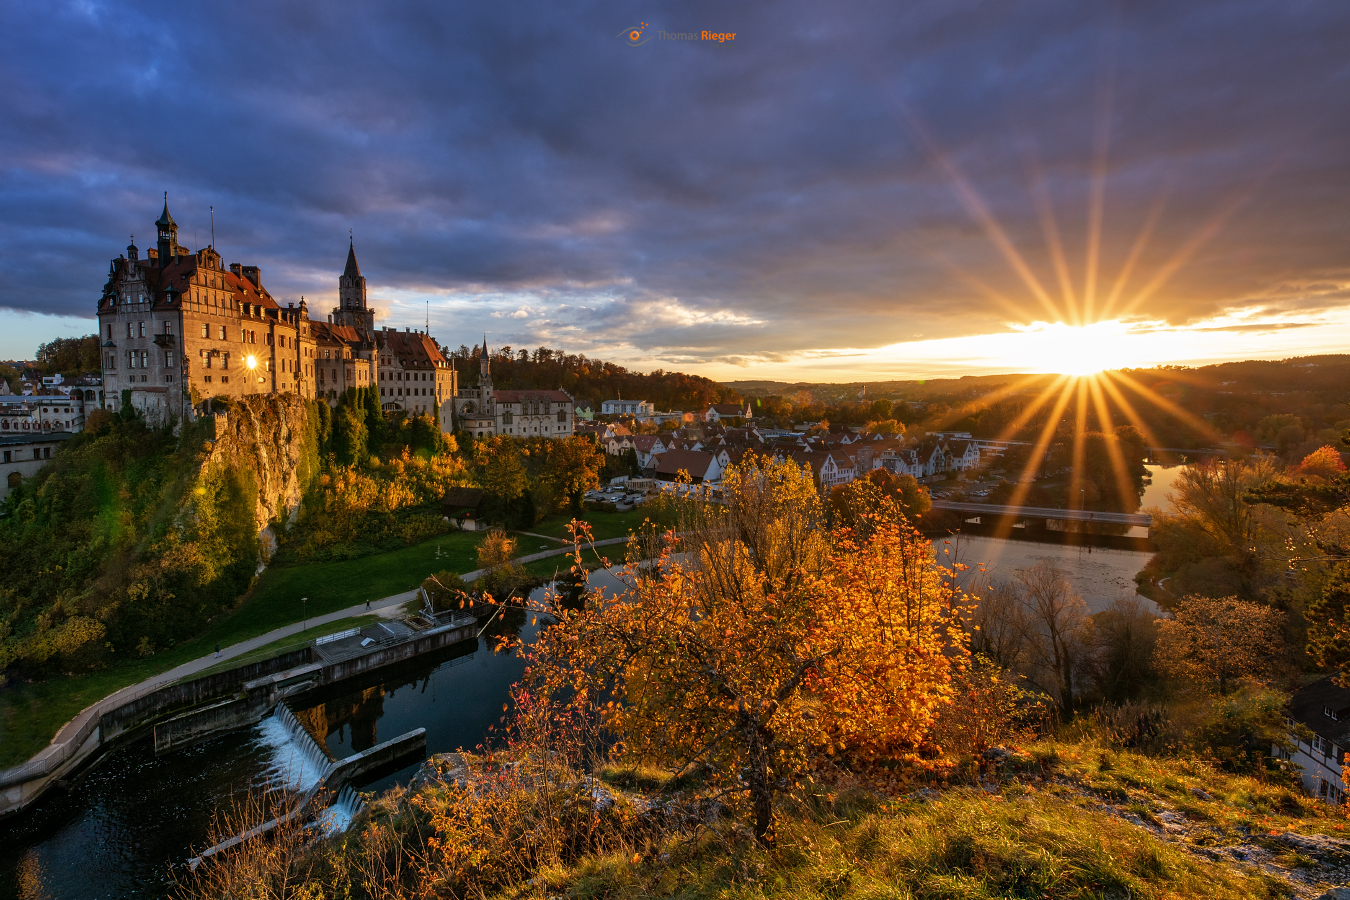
635	37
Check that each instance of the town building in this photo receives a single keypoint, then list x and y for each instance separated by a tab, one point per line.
693	466
719	411
21	455
484	411
637	408
1324	708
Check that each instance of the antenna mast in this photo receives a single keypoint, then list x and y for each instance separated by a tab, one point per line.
213	227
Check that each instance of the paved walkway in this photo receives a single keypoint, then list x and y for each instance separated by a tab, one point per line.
385	606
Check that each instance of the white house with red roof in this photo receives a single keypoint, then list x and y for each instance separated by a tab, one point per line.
719	411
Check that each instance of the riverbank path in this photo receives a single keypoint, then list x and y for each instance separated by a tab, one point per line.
385	606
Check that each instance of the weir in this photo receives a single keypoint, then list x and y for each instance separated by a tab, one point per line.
335	777
314	751
190	711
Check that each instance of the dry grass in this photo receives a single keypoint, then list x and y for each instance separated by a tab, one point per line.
1057	826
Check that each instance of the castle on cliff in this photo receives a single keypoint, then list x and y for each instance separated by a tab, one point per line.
178	326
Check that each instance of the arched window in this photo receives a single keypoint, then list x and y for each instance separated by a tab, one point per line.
15	480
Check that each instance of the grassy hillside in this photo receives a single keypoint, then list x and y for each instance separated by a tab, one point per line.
1075	820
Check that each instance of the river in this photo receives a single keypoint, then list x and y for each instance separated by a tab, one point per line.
133	815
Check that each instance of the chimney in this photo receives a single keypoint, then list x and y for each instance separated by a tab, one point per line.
237	270
252	274
330	318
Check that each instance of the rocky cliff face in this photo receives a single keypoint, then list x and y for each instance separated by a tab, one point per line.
274	439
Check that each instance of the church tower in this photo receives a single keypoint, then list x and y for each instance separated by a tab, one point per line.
352	309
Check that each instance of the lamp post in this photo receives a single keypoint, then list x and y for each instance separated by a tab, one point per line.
304	613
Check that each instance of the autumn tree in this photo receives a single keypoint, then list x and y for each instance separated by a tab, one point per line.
764	645
571	467
880	494
1324	464
497	549
1212	499
69	356
1122	649
997	631
1321	505
1054	622
500	469
1213	642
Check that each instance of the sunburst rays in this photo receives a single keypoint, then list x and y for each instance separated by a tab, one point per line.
1065	408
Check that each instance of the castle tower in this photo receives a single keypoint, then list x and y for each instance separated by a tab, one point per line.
351	308
485	381
168	234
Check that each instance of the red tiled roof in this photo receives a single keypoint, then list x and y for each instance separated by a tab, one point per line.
533	396
695	462
413	349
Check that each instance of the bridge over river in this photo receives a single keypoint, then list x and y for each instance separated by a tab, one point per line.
994	512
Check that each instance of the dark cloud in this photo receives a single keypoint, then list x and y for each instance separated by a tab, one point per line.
830	179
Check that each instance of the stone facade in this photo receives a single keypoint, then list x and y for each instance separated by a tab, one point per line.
179	327
484	411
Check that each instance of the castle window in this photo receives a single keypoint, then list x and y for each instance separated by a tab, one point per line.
168	327
140	326
129	334
206	331
168	360
222	332
110	332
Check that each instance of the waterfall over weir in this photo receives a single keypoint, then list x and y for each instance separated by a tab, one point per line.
341	811
298	759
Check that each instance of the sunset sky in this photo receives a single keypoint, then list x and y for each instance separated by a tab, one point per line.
842	192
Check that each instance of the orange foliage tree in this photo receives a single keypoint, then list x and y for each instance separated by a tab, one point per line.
764	645
1215	642
1325	463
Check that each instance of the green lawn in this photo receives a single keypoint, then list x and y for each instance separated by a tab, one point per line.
328	587
604	525
561	564
292	642
31	714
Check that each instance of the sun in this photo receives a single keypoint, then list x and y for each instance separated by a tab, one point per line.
1077	350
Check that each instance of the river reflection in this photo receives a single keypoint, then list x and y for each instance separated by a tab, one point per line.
132	815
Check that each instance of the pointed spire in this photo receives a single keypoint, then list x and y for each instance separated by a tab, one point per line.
352	270
165	220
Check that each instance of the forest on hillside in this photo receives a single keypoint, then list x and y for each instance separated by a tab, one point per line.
1290	407
591	381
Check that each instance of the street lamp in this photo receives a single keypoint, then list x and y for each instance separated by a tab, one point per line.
304	614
